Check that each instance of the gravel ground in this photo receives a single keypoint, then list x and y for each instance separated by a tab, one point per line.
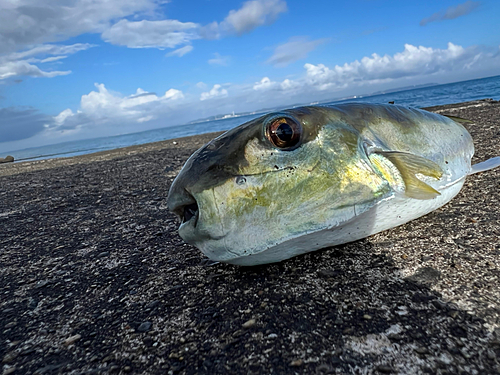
95	279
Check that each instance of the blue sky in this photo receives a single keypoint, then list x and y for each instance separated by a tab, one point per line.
85	68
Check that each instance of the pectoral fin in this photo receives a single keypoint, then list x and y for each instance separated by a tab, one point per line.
408	166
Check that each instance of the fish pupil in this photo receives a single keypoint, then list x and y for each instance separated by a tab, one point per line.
284	132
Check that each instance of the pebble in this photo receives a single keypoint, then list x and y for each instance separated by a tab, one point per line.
72	339
127	369
329	273
297	363
249	323
385	369
367	317
422	350
9	371
9	357
103	254
144	327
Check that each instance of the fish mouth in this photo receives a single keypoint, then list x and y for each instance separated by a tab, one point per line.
185	207
190	212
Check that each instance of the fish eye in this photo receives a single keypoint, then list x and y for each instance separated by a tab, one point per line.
284	132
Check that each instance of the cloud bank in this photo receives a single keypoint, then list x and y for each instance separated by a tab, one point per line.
318	81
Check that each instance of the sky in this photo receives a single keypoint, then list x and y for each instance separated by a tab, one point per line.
76	69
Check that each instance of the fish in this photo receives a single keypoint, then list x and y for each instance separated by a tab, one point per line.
308	178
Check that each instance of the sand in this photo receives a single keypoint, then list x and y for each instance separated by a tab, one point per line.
95	279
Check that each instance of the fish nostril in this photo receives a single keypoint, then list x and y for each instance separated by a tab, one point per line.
190	211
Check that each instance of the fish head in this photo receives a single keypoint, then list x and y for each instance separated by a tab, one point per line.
271	180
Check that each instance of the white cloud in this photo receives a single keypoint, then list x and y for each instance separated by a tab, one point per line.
452	12
295	49
151	34
50	49
265	84
413	61
253	14
172	33
61	117
219	60
53	59
25	23
23	63
181	51
101	107
23	68
201	85
216	92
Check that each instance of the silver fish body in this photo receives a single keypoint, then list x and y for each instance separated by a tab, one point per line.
307	178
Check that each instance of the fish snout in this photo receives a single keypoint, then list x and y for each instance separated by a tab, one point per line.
183	204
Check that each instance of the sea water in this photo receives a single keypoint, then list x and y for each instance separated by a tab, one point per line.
419	97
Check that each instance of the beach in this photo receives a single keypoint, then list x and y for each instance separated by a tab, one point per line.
95	279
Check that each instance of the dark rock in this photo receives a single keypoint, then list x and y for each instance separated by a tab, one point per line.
327	273
7	159
144	327
385	369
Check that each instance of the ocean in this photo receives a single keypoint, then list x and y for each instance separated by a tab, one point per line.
418	97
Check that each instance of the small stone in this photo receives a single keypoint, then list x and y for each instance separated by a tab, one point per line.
385	369
348	331
144	327
42	283
327	273
453	313
127	369
249	323
103	254
439	304
175	143
32	303
9	371
394	336
9	357
152	304
297	363
422	350
10	325
272	336
72	339
367	317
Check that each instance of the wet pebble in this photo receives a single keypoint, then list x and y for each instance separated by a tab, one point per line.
144	327
72	339
249	323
